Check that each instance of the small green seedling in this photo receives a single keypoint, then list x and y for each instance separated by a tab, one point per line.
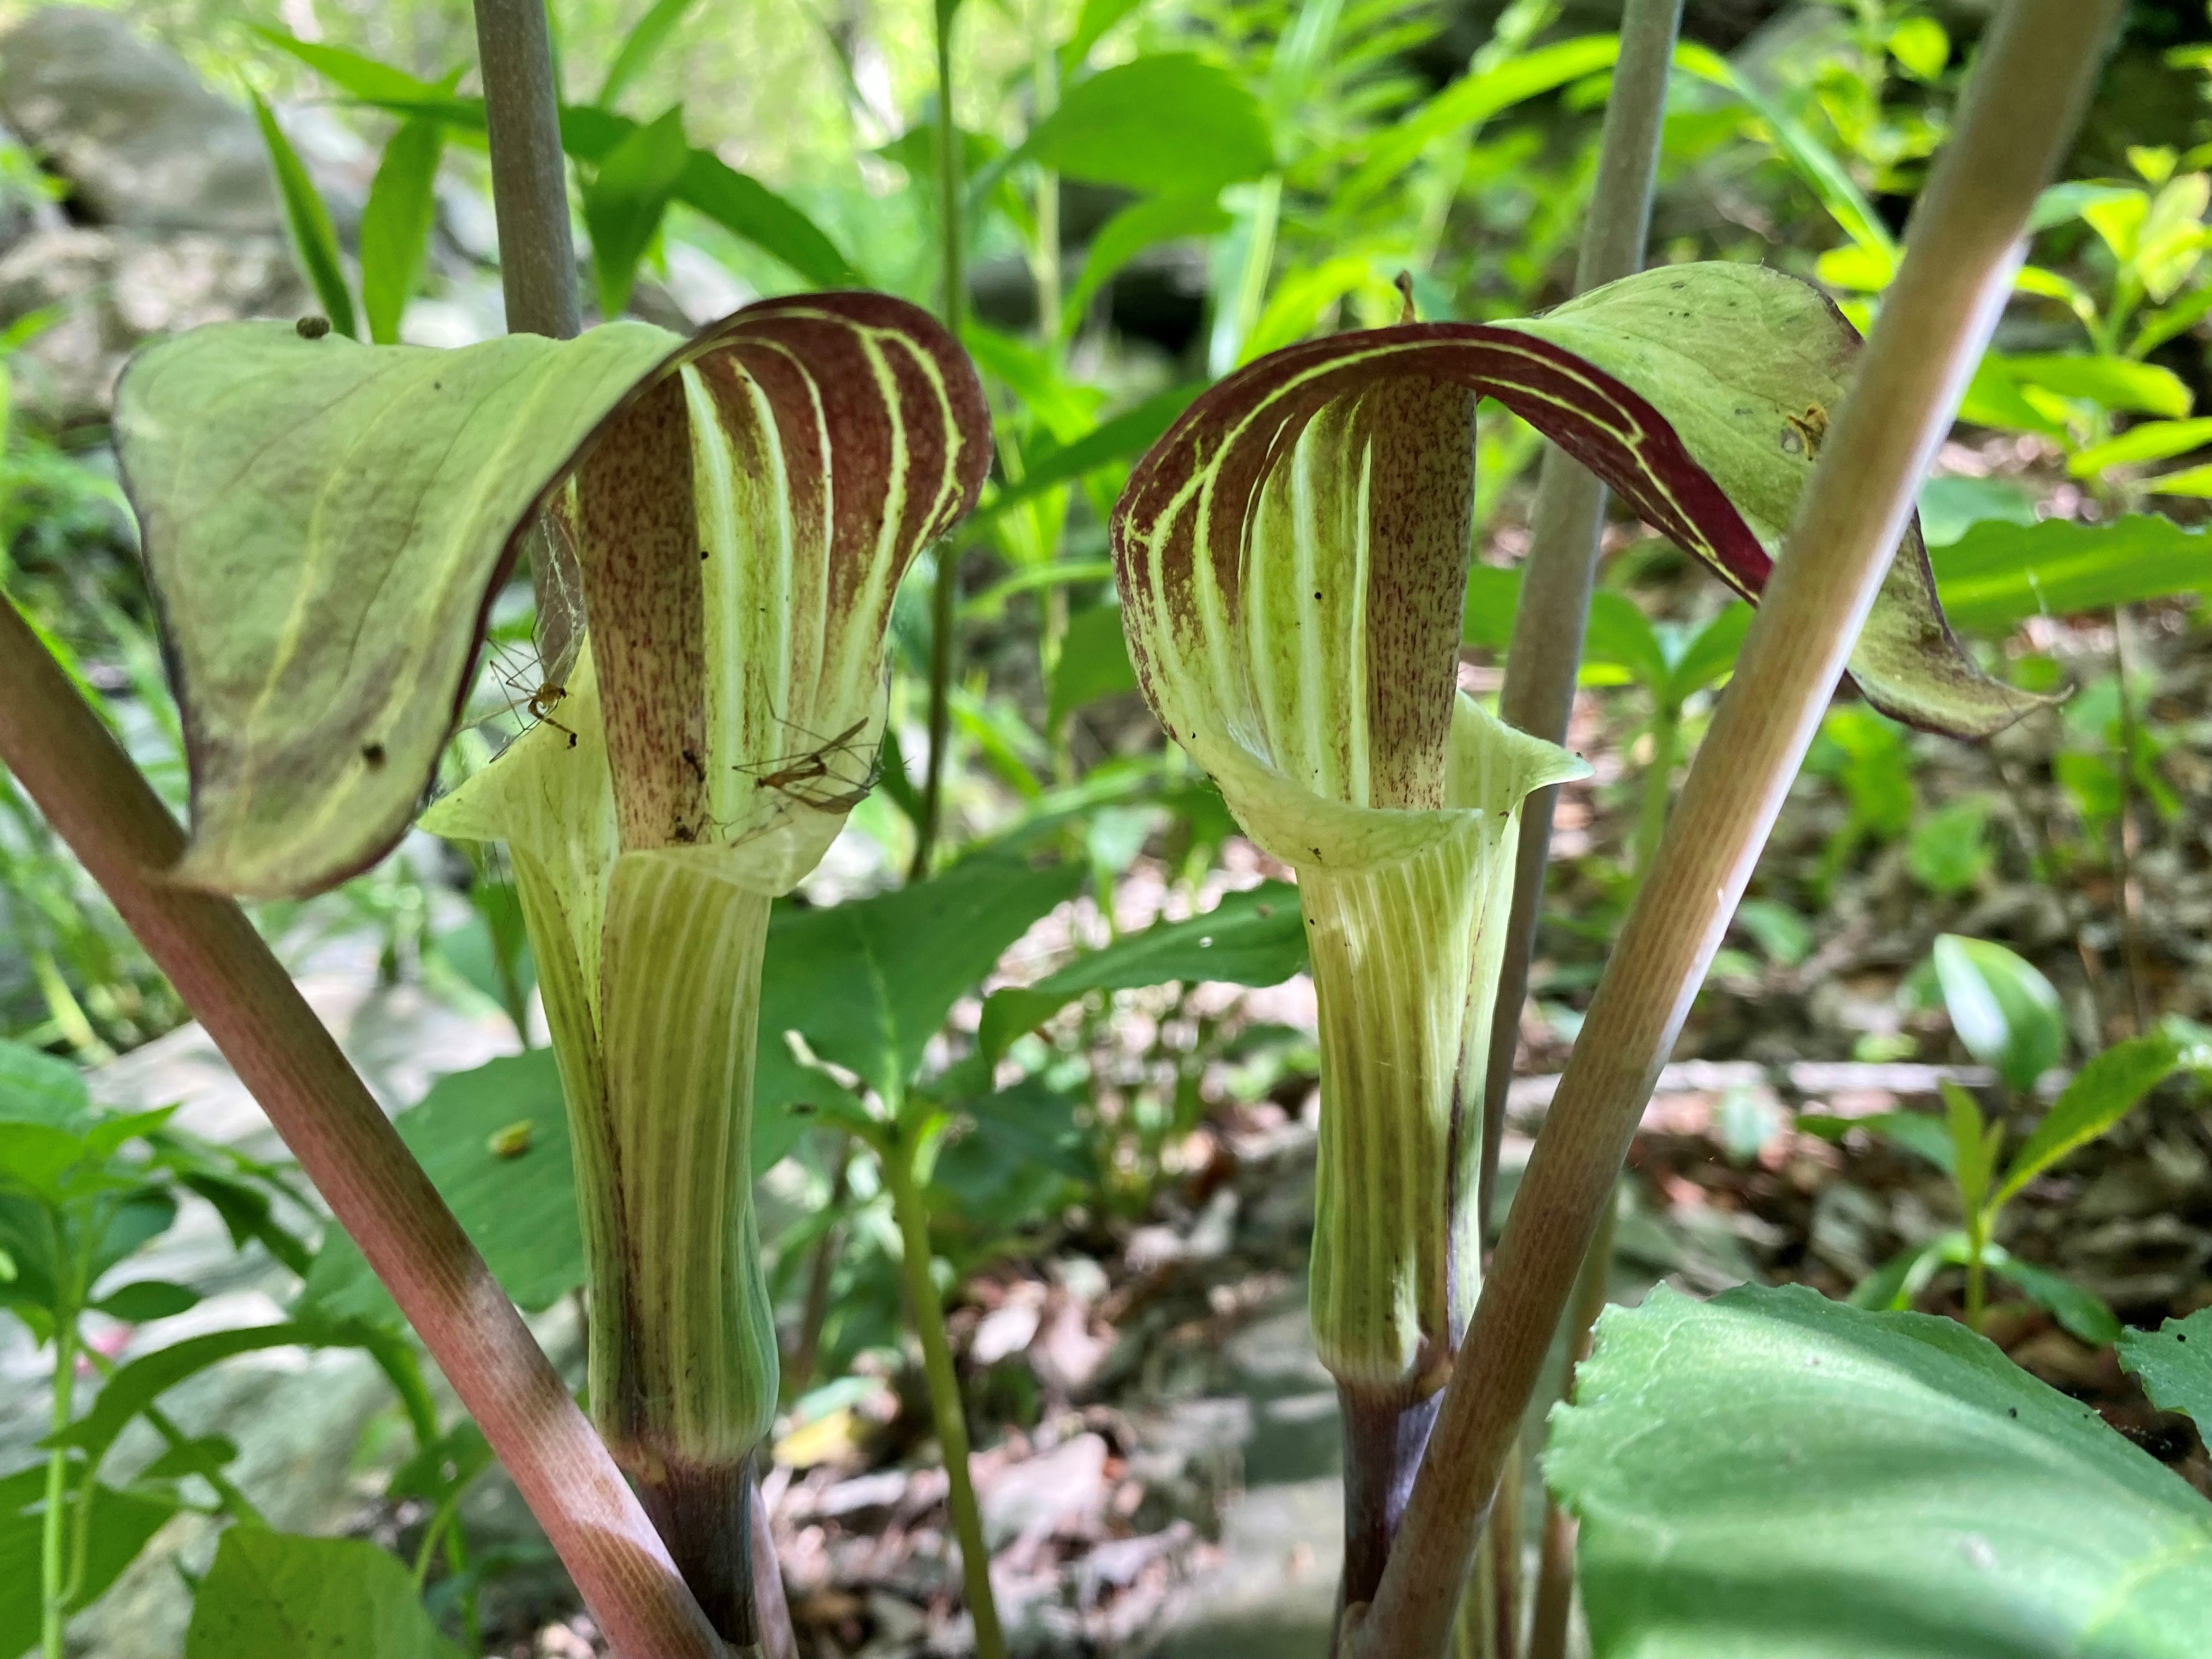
2009	1018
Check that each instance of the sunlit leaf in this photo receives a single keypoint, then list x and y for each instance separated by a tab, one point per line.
2005	1012
275	1595
1094	662
1137	227
2099	1096
2175	1364
309	221
1997	574
1770	1475
1170	121
395	226
644	42
625	199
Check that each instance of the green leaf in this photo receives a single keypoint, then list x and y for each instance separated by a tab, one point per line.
118	1525
519	1208
364	77
1971	1150
131	1389
2004	1011
1997	574
146	1299
1949	852
1897	1283
1921	45
1786	937
195	1456
2175	1364
1770	1475
1469	102
2150	440
2114	383
1128	433
1710	658
2100	1094
1015	1162
868	983
1949	508
1621	634
1916	1131
1140	225
275	1595
395	226
624	202
1254	936
37	1088
1090	26
745	208
2081	1314
641	46
2062	203
1094	663
1170	121
35	1157
309	221
374	489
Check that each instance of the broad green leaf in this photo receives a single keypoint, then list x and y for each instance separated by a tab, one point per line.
194	1457
1254	936
1770	1475
2194	481
1997	574
624	202
1140	225
119	1524
37	1088
1302	297
146	1299
1170	121
1094	663
641	46
2100	1095
745	208
1127	435
1971	1150
395	226
1621	634
1016	1160
512	1189
1786	937
1744	368
1469	102
1090	26
1897	1283
1949	508
275	1595
2005	1012
2172	238
295	491
1921	45
309	221
2114	383
1493	593
2175	1364
2062	203
35	1157
868	983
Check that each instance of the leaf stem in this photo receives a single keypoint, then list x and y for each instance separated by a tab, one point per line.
54	1564
529	175
71	767
1540	668
2026	93
944	1403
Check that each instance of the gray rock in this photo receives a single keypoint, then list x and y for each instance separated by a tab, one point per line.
111	288
142	142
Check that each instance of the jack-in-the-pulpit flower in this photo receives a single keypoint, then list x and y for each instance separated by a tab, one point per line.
742	507
1292	558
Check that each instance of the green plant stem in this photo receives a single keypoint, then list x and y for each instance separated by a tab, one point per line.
1658	781
944	1403
53	1563
1976	1277
71	767
398	1362
1553	611
2123	871
945	592
1555	1570
2033	76
806	1353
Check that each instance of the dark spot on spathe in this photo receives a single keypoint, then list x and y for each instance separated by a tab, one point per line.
371	755
312	328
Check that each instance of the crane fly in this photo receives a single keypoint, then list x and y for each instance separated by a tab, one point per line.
812	777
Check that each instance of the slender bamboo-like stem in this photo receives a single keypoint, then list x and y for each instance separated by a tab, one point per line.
529	178
536	249
1555	1570
100	806
944	1405
2035	72
1547	653
944	594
